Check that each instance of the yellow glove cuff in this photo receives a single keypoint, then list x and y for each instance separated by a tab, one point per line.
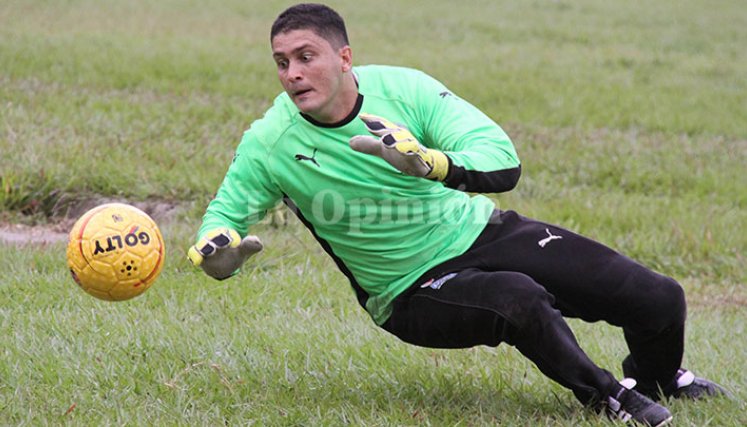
440	164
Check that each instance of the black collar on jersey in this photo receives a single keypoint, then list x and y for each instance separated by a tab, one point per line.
349	118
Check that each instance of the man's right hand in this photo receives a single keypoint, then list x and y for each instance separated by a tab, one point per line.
221	252
399	147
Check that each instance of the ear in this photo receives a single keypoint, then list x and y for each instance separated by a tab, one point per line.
346	58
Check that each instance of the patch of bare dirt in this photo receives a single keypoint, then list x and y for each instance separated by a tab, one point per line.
58	229
27	235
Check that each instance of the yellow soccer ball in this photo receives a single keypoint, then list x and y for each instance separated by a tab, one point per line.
115	252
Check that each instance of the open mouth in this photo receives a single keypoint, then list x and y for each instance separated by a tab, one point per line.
301	92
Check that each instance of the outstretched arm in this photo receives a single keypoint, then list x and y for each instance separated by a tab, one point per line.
242	200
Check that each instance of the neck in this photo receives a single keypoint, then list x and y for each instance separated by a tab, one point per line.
346	101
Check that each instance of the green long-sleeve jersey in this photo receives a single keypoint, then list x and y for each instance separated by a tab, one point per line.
383	228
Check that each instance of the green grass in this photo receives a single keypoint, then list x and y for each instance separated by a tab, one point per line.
284	345
629	118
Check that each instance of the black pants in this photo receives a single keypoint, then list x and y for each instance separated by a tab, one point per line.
516	283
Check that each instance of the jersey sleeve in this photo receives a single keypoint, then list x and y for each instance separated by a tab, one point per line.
482	157
247	191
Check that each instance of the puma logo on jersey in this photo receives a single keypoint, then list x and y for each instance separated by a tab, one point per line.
445	93
301	157
550	237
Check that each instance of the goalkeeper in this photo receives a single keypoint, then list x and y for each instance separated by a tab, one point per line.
378	162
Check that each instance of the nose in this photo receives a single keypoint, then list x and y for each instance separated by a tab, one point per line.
294	72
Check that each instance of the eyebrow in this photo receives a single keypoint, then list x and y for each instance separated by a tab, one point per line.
302	47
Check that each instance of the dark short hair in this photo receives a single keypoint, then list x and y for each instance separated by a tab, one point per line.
321	19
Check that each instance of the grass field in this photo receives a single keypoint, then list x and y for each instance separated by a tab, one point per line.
630	119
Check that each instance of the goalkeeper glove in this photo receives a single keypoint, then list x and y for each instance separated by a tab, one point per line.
399	147
222	251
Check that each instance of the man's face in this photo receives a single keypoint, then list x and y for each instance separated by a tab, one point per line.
311	72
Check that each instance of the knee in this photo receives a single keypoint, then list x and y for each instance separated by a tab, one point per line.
667	306
525	309
530	301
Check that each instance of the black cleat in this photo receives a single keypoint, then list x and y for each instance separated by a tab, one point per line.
627	405
687	386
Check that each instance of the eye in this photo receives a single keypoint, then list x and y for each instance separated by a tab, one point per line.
306	57
282	64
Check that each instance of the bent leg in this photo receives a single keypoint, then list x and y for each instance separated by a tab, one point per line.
486	308
593	282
